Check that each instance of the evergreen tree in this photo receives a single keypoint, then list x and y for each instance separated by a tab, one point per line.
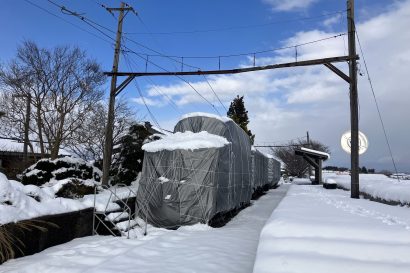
237	112
128	163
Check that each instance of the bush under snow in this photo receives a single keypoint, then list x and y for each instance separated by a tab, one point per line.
64	177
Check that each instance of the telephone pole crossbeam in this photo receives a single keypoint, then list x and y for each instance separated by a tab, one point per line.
239	70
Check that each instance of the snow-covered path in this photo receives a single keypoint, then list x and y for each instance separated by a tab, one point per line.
198	248
322	231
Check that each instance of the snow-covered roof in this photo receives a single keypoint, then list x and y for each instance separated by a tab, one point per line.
8	145
208	115
315	151
186	141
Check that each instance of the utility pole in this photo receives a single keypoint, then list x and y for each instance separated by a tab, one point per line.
113	92
308	144
354	120
27	128
26	125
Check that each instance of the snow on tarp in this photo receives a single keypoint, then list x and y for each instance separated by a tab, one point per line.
377	186
186	141
216	179
321	231
315	151
208	115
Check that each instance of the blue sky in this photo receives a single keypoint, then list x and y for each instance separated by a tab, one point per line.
282	104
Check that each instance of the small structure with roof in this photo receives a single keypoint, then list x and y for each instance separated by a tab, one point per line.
315	159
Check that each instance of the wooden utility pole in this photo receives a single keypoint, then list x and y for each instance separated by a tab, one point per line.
308	144
27	128
113	92
354	120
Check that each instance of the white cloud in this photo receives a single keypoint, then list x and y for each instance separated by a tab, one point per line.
289	5
149	101
284	104
337	19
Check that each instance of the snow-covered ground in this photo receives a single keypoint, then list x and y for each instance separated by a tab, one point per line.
17	203
197	248
376	185
319	230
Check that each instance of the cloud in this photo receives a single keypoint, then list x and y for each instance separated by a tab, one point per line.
284	104
289	5
149	101
337	19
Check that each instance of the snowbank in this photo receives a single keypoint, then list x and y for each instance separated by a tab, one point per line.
208	115
197	248
377	186
321	231
21	202
186	141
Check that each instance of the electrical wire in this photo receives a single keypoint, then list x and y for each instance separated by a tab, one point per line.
68	22
240	27
377	105
141	95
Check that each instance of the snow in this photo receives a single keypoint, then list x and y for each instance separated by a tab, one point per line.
208	115
322	231
17	203
376	185
163	179
330	181
186	141
9	145
315	151
197	248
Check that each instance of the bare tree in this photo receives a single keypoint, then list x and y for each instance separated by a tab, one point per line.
62	86
88	142
296	165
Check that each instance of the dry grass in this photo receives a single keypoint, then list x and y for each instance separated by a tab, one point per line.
9	242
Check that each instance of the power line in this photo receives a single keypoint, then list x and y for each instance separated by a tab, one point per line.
156	88
68	22
377	105
93	24
90	23
240	27
250	53
142	22
216	95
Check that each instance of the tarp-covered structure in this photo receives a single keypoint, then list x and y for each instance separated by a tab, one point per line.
265	171
205	169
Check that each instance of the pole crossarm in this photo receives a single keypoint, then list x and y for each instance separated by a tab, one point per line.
338	72
238	70
123	85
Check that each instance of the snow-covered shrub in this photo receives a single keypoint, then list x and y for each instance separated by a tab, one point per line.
75	188
128	162
46	170
65	177
5	190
